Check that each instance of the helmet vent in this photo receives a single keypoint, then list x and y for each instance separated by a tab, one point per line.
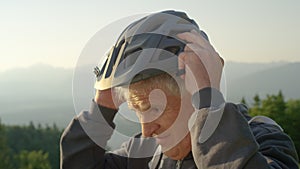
131	52
173	49
131	57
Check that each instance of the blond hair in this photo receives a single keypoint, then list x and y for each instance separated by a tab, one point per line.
136	91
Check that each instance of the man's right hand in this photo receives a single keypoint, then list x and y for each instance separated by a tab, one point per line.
202	64
108	98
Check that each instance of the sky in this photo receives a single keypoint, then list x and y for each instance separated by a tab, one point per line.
55	32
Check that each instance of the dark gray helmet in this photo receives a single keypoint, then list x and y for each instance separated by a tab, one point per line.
146	48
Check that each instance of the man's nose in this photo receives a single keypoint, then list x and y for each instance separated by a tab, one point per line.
148	129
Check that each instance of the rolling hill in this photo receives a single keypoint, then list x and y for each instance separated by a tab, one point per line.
270	80
43	94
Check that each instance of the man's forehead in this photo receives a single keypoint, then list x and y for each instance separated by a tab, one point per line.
145	88
155	98
148	94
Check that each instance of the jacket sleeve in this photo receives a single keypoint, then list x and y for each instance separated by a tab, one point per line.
222	138
83	142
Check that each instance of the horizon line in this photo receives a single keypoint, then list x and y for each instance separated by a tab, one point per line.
72	67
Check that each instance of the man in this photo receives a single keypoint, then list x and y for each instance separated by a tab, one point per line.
165	68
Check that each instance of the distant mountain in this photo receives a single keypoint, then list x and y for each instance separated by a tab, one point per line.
268	80
40	93
235	70
43	94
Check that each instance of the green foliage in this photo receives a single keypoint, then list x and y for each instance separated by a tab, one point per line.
256	101
292	125
33	160
4	150
285	113
244	101
37	147
24	147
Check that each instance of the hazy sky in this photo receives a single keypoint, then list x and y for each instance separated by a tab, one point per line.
55	31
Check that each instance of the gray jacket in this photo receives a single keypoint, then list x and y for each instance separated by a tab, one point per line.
234	140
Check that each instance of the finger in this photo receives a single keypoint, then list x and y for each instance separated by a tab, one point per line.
187	36
192	47
201	52
183	59
222	61
196	33
181	63
194	37
187	58
187	48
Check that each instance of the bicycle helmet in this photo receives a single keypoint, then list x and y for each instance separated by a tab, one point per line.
146	48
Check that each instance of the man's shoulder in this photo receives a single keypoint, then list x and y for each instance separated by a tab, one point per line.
256	123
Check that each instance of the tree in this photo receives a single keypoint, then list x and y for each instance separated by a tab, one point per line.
5	155
292	124
274	107
256	101
286	114
33	160
243	101
31	138
256	108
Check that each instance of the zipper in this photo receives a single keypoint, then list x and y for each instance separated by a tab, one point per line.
178	164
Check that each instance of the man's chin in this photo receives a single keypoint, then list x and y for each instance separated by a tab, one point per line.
179	151
173	153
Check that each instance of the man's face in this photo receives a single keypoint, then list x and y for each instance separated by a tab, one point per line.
164	116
